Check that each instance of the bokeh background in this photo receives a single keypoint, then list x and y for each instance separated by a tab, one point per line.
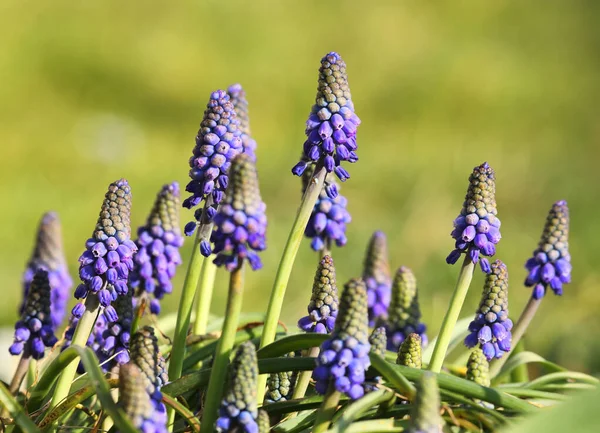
94	91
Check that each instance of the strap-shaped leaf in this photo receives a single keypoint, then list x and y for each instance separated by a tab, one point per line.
16	411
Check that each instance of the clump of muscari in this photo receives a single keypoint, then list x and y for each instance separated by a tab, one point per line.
105	265
491	326
409	352
550	265
331	126
240	103
477	228
35	331
158	245
404	314
344	357
324	302
48	255
376	275
280	386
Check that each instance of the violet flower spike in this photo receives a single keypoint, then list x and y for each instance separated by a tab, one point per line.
240	103
323	306
550	265
376	275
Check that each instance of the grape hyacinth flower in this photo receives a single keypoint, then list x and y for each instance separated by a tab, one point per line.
105	265
331	126
239	408
112	338
218	141
323	306
135	401
280	386
477	228
378	342
491	327
409	353
34	332
240	103
158	248
425	416
478	368
327	223
404	316
376	275
550	265
344	357
48	255
263	421
241	222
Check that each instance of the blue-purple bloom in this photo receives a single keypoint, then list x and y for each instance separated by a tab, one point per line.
477	228
491	327
34	332
376	275
158	248
241	222
344	357
105	265
48	255
550	265
240	103
331	126
238	411
323	306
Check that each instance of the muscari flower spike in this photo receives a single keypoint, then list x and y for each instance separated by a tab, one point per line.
48	255
331	126
238	408
240	103
218	141
105	265
404	315
158	248
376	275
425	416
324	302
329	217
263	421
550	265
241	222
409	353
491	327
280	386
344	357
34	332
135	401
478	368
113	334
477	228
378	342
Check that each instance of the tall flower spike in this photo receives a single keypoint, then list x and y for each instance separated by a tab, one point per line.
158	248
378	342
327	222
376	275
218	141
48	255
425	416
551	261
344	357
238	99
34	332
280	386
478	368
409	353
491	327
135	401
264	423
404	316
331	126
114	337
241	222
238	408
477	228
323	306
105	265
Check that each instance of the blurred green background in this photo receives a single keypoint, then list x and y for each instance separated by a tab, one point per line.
94	91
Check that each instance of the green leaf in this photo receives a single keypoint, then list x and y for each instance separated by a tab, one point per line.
297	424
458	335
524	358
307	403
356	409
396	378
562	376
533	393
472	405
377	426
185	413
291	343
16	411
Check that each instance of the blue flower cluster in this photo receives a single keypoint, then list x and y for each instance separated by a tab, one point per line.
376	275
238	99
34	332
491	326
323	306
550	265
344	357
105	265
477	228
158	248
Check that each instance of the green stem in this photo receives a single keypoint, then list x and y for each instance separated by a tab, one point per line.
287	261
84	328
456	303
138	314
204	294
31	373
304	379
223	350
517	332
20	373
520	372
327	410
